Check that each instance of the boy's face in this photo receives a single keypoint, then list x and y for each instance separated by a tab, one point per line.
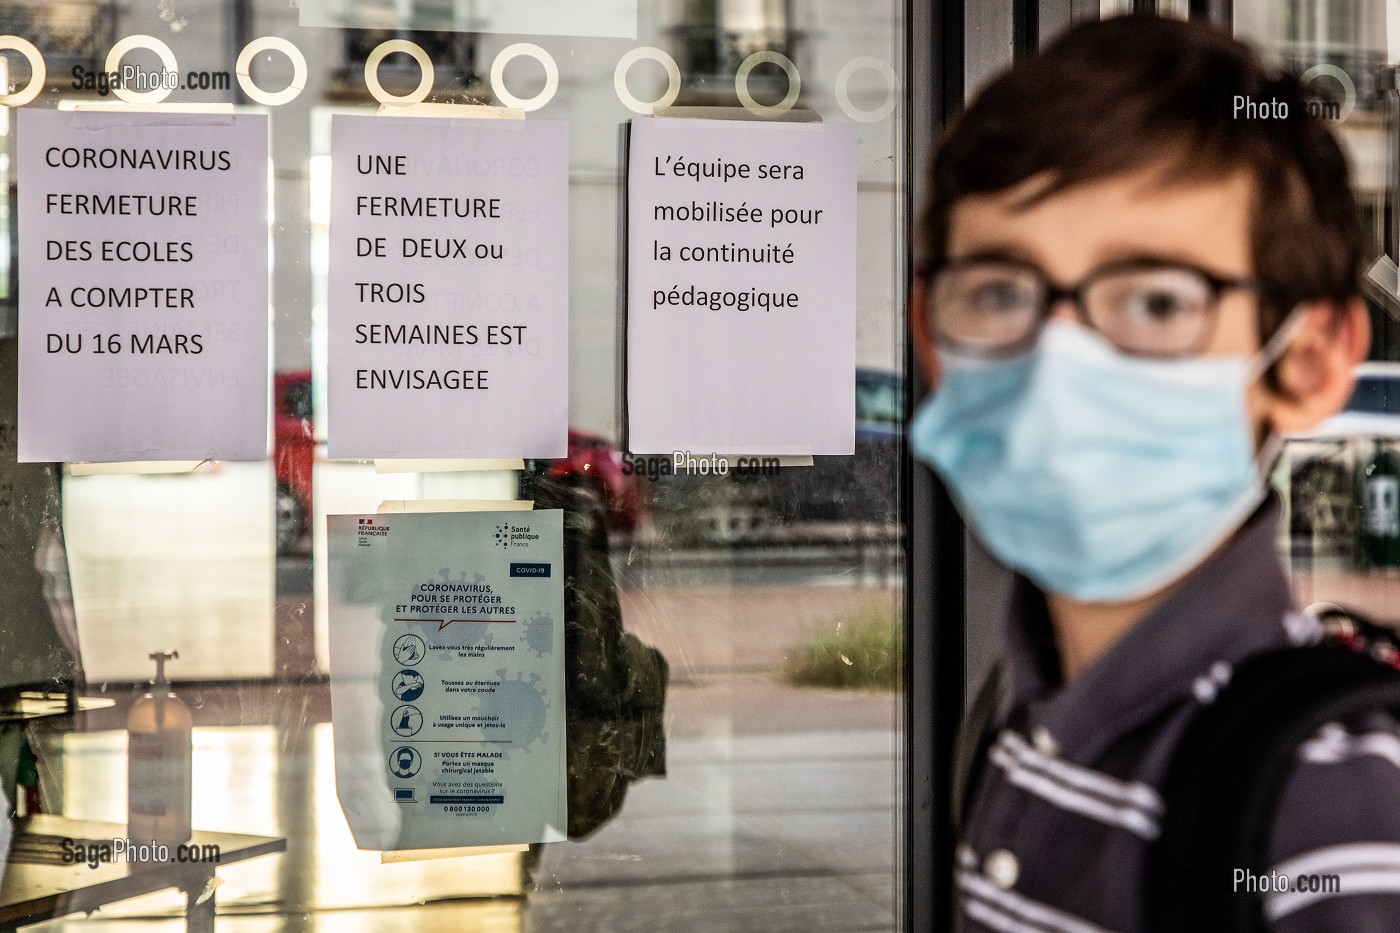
1204	224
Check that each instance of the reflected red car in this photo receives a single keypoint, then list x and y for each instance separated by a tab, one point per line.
294	453
596	464
592	462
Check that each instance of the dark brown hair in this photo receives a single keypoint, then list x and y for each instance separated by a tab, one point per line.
1137	91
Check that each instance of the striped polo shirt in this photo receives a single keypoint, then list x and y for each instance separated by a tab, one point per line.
1067	800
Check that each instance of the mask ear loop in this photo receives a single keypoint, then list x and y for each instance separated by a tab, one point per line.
1277	345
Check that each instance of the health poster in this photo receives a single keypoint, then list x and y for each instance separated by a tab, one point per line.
448	297
143	312
447	677
741	287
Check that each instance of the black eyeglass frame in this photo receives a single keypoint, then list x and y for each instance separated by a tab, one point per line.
1052	293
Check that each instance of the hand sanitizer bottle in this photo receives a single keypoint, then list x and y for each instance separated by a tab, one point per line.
158	763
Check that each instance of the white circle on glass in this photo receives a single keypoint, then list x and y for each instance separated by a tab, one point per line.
498	76
650	53
741	81
167	61
245	76
843	90
38	72
382	51
1348	86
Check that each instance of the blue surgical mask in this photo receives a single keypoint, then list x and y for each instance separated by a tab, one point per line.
1098	475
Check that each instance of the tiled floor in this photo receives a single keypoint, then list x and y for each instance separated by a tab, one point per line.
778	813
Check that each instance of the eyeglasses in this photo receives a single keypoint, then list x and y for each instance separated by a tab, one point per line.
996	307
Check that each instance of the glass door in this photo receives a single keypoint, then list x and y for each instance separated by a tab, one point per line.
735	643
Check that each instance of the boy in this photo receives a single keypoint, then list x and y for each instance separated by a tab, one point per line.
1128	294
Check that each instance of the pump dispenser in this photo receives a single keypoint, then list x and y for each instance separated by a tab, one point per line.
158	762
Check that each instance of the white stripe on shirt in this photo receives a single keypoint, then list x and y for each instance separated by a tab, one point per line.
1277	906
1032	915
1334	744
1347	855
1132	793
1360	868
1052	785
989	916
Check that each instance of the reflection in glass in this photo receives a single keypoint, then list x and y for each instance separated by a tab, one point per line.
733	729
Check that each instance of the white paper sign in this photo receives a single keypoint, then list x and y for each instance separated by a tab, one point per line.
143	317
447	677
741	287
449	328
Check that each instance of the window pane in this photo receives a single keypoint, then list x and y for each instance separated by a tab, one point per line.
734	642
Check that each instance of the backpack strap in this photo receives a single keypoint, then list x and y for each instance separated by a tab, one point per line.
972	742
1225	778
970	748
